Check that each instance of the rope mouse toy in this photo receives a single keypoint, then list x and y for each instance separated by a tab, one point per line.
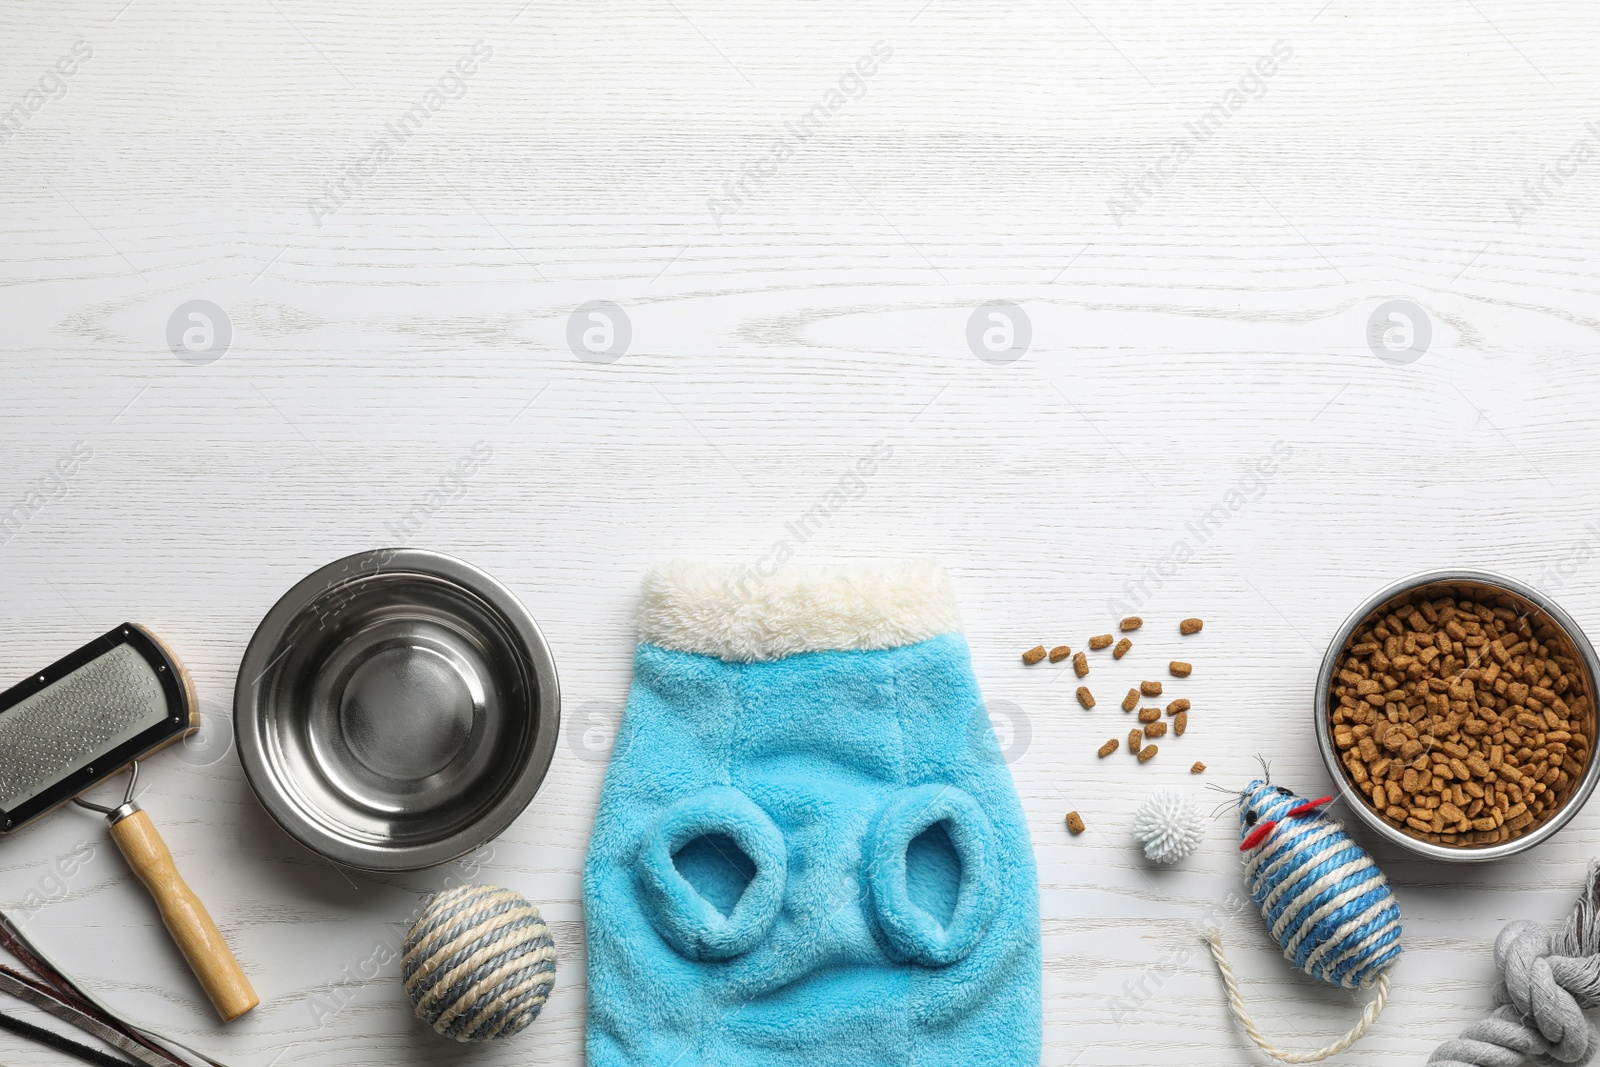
1324	901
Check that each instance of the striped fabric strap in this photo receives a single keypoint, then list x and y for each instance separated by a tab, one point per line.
51	1039
54	1005
50	990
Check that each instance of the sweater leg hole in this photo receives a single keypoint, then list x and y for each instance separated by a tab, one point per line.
933	872
717	868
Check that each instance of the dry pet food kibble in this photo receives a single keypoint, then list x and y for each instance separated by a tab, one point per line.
1074	823
1150	689
1059	653
1109	747
1080	663
1190	626
1180	669
1085	697
1149	714
1131	700
1033	655
1198	767
1180	723
1102	641
1131	623
1135	739
1177	705
1155	729
1121	649
1148	753
1461	718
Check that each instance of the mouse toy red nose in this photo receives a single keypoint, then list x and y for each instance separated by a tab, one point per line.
1258	835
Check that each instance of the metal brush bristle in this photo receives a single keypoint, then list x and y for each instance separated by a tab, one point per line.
75	721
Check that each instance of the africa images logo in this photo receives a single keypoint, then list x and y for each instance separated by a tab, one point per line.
52	85
450	86
1251	85
736	193
53	485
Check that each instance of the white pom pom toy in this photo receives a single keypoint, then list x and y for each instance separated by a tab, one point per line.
1168	825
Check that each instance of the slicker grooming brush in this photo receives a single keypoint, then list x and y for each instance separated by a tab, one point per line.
86	718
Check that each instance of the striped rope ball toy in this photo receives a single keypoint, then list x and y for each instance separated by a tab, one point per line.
1324	901
479	963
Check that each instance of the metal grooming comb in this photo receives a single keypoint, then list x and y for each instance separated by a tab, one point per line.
87	717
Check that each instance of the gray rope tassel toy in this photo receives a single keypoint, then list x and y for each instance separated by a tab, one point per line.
1547	981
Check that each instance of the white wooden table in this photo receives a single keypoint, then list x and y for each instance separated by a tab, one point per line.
799	208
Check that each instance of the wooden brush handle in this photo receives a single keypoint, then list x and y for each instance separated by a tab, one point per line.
186	918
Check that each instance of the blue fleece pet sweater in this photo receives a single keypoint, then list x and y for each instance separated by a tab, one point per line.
809	850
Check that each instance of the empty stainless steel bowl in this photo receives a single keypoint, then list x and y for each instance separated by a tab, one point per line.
1553	626
396	709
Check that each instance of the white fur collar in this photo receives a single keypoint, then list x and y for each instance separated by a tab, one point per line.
731	611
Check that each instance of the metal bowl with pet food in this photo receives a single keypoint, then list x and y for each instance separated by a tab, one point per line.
396	709
1437	700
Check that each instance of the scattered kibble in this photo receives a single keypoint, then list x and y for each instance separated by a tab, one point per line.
1465	721
1074	823
1151	724
1198	768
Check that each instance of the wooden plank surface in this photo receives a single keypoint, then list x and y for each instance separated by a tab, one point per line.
799	245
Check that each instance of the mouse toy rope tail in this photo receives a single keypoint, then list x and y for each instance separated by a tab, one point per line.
1369	1014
